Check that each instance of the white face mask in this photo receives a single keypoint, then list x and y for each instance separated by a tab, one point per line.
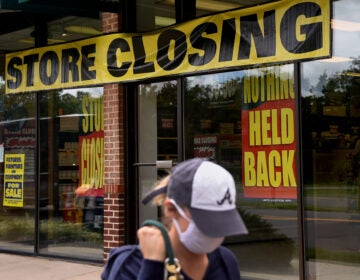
193	239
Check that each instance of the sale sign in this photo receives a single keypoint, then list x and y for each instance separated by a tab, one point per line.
14	180
268	134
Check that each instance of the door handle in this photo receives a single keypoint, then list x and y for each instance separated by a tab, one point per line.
159	164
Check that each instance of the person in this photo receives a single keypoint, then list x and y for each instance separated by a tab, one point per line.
198	202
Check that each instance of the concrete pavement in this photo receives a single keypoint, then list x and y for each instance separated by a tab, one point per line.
16	267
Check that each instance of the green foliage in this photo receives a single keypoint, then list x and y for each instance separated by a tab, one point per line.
17	228
261	230
261	243
340	256
56	231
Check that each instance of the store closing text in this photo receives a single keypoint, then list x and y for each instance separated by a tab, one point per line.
280	32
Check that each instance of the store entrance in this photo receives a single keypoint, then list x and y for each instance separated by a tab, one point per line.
221	119
158	139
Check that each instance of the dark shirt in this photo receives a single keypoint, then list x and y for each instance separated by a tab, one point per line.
127	263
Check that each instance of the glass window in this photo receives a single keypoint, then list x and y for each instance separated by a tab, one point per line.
153	15
157	14
70	28
245	121
204	7
17	144
330	92
17	171
70	180
72	173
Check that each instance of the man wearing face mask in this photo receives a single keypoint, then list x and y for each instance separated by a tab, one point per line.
198	201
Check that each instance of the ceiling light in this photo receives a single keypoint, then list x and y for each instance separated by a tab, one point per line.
164	21
209	5
80	29
215	6
31	41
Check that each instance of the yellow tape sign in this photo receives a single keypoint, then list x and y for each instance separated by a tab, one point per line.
275	32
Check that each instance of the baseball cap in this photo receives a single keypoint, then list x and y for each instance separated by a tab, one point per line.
208	191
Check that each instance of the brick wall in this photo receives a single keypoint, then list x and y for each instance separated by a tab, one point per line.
114	210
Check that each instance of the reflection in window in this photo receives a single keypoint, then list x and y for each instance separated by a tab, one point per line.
217	126
72	172
330	92
18	193
158	139
154	15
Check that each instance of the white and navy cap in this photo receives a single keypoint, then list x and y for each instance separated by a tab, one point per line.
208	191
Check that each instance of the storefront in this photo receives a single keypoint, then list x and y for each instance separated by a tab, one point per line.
276	106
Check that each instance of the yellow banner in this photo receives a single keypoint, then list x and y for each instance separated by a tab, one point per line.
281	31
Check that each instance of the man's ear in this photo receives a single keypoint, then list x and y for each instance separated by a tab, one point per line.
169	209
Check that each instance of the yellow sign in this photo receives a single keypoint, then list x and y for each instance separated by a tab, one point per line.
92	158
14	180
281	31
269	134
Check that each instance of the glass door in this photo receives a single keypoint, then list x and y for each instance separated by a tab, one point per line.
157	130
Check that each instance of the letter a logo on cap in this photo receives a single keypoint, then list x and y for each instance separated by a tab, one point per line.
227	197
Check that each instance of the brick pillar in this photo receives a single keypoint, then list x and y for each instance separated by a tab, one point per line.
114	204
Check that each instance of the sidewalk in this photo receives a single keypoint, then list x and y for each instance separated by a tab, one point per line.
15	267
